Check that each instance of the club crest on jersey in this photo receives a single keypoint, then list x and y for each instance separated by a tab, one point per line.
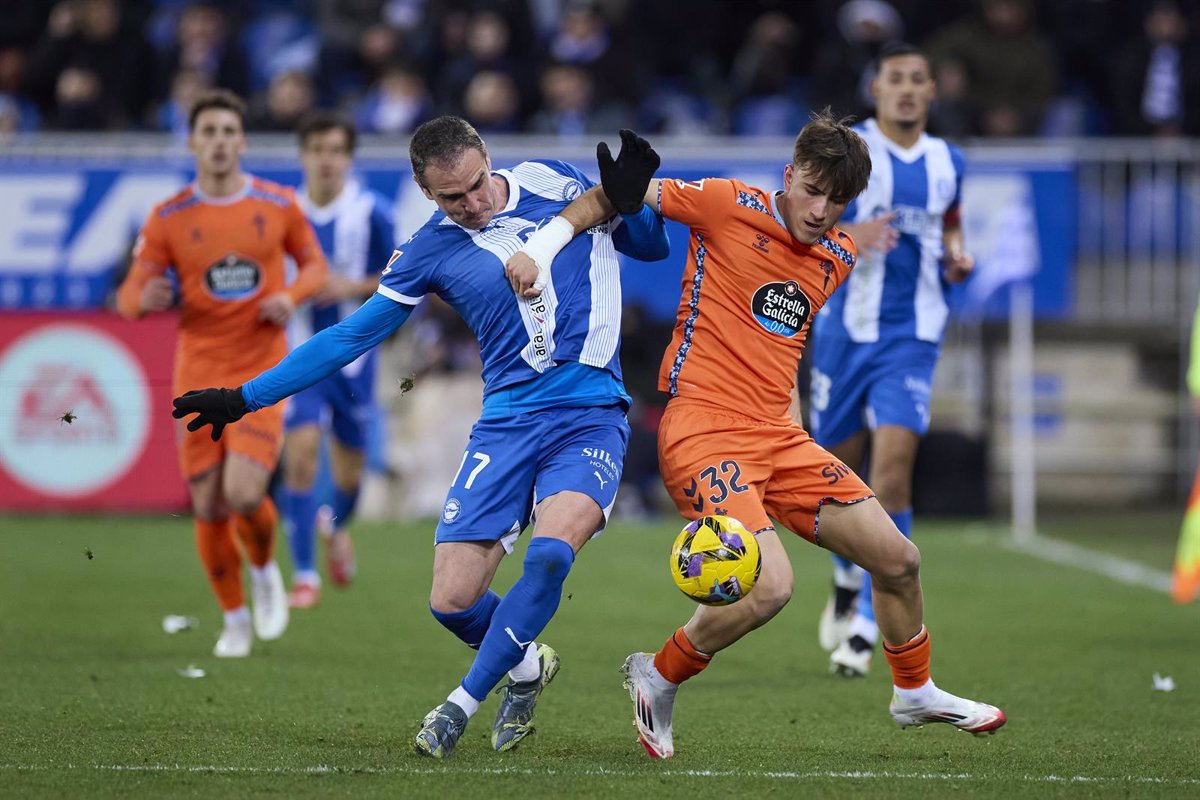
232	278
571	190
781	307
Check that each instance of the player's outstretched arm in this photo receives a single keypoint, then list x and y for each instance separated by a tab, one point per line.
322	355
627	183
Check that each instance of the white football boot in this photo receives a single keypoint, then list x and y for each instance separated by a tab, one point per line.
235	640
652	704
966	715
833	629
851	659
270	602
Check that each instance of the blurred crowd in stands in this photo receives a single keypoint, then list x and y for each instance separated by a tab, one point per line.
571	67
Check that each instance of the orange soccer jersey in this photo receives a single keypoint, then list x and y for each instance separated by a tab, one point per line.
228	255
750	290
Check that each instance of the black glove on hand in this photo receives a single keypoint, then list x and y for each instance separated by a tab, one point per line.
625	180
216	407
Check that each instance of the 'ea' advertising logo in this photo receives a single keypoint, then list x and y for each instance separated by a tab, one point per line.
82	370
781	307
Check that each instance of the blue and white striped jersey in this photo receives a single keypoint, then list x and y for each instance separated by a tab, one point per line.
577	318
357	232
903	293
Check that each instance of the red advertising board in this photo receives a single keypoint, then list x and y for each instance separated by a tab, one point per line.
85	413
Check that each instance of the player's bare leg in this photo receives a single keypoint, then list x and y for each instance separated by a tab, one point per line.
301	453
652	679
864	533
244	485
347	467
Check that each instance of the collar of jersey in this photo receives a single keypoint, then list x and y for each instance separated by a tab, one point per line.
227	200
321	215
906	154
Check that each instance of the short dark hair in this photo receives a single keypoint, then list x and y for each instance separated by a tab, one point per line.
898	49
834	154
442	141
322	121
217	98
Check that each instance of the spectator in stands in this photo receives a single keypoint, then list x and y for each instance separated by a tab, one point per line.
1156	78
1010	64
398	103
845	64
762	82
20	112
569	107
359	39
290	97
951	115
87	58
186	88
203	43
488	48
492	103
584	38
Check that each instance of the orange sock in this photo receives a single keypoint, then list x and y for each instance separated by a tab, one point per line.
256	531
221	561
910	661
678	660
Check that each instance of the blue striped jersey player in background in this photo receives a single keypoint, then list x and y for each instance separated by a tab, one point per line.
356	229
549	444
876	341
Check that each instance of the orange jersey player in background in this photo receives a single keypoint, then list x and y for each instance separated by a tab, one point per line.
760	265
225	237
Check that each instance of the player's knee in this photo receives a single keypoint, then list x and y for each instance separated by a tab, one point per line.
243	499
902	569
447	600
548	560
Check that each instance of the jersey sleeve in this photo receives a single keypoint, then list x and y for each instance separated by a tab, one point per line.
300	242
698	204
383	235
151	256
411	269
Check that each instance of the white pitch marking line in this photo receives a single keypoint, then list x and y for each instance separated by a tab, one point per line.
322	769
1107	565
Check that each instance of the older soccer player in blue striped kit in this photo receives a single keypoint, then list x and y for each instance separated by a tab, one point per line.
876	343
549	445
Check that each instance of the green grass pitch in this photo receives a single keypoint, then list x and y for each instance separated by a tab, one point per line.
92	704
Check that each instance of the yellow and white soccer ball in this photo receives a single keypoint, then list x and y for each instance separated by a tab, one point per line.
715	560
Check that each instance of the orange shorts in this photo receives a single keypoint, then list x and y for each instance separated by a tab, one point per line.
715	461
257	436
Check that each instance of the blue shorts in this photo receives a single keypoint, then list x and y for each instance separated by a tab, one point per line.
349	402
513	463
856	385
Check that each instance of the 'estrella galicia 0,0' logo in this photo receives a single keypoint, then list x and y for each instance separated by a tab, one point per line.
781	307
232	278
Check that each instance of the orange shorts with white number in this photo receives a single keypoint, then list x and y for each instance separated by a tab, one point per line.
716	461
257	436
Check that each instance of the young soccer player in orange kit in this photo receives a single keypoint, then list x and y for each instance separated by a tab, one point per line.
225	236
760	265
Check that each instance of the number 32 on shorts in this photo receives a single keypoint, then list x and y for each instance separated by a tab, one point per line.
715	483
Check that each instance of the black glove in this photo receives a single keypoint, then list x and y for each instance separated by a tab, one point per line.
625	180
216	407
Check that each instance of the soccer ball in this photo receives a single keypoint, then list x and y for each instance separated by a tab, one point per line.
715	560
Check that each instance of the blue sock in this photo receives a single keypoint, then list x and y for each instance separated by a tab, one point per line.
300	513
522	614
470	625
866	605
343	507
